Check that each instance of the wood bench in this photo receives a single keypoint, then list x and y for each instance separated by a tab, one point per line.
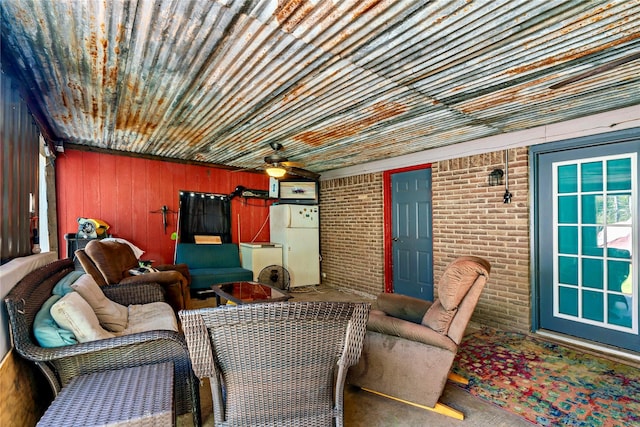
142	395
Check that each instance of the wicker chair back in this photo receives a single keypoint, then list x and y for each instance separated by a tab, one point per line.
276	363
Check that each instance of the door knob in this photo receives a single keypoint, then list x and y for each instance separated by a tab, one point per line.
395	239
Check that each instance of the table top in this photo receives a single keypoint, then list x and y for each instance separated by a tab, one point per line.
249	292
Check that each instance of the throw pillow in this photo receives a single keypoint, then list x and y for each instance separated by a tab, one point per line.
63	286
74	313
150	317
112	316
46	330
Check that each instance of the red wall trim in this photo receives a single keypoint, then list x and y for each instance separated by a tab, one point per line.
386	197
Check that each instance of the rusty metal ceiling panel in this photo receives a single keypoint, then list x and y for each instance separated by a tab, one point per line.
338	83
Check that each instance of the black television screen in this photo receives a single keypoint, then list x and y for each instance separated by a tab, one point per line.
298	191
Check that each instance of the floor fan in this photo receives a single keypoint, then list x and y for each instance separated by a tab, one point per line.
276	276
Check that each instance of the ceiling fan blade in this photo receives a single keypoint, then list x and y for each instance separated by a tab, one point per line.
303	173
597	70
252	170
293	164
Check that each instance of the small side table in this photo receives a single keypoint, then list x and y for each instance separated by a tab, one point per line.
142	395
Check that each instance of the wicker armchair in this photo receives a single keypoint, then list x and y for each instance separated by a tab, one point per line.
278	364
61	364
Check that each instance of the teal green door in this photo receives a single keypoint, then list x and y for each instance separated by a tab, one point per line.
587	216
412	243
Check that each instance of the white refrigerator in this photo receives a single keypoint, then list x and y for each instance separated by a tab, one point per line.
296	227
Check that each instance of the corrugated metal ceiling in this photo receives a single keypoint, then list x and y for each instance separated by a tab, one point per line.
338	83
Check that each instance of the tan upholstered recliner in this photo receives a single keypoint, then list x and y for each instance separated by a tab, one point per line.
410	343
109	262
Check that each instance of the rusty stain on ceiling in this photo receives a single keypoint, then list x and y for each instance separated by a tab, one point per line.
338	83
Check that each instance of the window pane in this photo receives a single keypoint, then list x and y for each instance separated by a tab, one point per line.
618	253
592	273
619	174
617	274
568	240
568	209
591	179
568	301
620	310
568	270
619	208
592	305
568	179
590	241
627	285
593	209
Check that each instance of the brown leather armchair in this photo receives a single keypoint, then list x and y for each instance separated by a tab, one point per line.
410	344
109	262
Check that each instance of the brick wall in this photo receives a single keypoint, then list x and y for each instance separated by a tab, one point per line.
351	233
469	217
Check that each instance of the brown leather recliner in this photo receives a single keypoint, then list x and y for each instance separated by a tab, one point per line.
109	262
410	344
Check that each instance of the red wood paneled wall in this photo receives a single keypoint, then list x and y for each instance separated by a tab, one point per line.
122	191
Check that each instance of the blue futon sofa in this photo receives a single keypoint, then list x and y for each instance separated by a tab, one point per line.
211	264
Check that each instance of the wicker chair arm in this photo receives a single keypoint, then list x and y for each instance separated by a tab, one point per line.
35	353
134	293
355	334
198	343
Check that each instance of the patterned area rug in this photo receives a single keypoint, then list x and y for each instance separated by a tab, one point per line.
548	384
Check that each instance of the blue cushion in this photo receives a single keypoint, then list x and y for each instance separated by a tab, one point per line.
63	287
47	331
203	278
207	256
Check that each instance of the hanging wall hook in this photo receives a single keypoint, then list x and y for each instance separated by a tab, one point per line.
164	210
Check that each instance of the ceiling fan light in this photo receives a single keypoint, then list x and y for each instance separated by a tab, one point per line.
276	171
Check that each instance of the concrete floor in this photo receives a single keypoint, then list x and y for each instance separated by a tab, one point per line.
370	410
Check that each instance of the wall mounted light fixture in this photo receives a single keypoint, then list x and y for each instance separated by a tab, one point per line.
495	177
507	195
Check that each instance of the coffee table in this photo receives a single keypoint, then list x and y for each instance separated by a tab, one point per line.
248	293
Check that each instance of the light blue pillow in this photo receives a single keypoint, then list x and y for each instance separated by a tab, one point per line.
63	287
46	330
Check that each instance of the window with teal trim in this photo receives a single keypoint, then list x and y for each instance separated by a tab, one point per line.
593	240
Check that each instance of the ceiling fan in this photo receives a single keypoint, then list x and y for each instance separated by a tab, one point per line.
277	165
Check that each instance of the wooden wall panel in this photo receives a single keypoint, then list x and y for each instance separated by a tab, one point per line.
123	191
24	392
124	195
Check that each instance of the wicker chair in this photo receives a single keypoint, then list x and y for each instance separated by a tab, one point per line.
276	364
61	364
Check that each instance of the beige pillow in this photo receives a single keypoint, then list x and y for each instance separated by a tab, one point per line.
112	316
152	316
74	313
